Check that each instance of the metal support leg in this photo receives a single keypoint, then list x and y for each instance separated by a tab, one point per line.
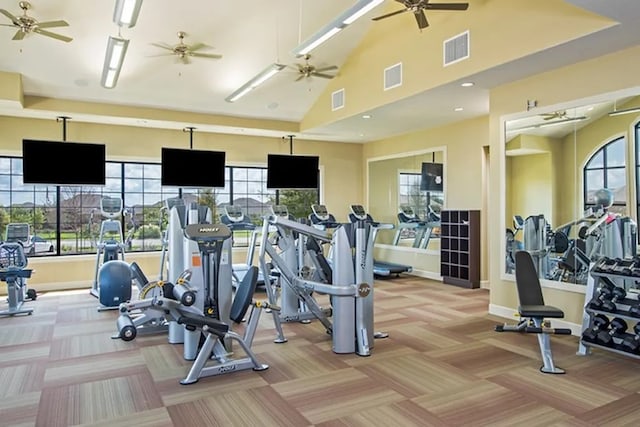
544	340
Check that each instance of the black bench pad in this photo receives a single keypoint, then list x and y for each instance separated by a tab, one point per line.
540	311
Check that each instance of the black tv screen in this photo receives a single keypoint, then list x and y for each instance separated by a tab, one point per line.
63	163
192	168
292	171
431	179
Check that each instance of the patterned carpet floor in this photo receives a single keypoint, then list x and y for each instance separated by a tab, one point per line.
441	365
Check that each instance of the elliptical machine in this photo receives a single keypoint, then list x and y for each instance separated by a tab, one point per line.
112	280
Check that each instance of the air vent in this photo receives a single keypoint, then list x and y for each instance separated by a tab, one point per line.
456	48
337	100
393	76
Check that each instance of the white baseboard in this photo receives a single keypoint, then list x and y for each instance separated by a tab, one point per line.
512	315
426	274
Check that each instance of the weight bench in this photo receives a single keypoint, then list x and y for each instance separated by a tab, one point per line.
533	311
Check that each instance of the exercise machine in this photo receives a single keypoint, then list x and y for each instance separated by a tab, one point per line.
234	218
350	290
408	220
111	247
380	268
214	357
321	218
14	272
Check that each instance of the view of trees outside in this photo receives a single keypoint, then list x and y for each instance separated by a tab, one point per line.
76	212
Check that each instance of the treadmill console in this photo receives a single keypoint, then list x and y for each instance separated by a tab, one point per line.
111	207
233	213
359	212
280	210
320	212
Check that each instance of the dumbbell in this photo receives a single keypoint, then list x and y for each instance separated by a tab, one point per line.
631	343
617	327
599	322
603	300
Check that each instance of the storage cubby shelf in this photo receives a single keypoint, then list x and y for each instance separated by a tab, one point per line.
460	248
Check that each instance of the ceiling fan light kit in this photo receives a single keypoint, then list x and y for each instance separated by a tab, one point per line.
126	12
338	24
256	81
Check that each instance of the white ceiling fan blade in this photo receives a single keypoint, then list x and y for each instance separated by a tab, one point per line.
324	76
162	46
205	55
53	35
51	24
328	68
19	35
10	16
198	46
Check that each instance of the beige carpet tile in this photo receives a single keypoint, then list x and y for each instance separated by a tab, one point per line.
94	368
165	361
19	379
402	414
566	393
482	403
622	371
480	359
158	417
256	407
19	409
94	401
621	412
174	393
85	345
335	394
24	353
24	333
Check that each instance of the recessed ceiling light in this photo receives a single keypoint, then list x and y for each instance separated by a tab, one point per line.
458	109
366	116
467	84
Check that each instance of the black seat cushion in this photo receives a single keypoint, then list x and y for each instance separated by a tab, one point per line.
215	326
540	311
244	294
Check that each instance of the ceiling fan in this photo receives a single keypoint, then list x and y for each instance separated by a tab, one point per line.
307	70
554	115
417	7
184	51
27	25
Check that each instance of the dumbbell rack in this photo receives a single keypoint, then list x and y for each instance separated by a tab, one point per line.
594	281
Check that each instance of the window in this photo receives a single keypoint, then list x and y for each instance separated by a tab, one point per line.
607	169
68	218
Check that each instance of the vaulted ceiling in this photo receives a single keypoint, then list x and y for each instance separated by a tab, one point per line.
252	34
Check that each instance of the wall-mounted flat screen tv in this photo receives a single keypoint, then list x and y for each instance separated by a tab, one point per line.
292	171
192	168
63	163
431	179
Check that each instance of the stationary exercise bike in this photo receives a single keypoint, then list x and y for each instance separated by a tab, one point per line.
13	271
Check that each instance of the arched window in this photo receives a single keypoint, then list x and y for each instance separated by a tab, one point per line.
607	169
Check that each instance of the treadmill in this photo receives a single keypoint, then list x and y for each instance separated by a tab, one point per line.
380	268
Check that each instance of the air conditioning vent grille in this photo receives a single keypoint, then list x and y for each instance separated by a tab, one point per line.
456	48
393	76
337	100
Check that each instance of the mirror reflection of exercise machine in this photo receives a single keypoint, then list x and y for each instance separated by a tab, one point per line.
14	272
380	268
423	228
513	245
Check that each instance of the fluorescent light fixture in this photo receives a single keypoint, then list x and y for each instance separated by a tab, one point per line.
553	123
116	49
340	22
256	81
126	12
627	111
467	84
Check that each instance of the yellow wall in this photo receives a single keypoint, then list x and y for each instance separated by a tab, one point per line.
341	174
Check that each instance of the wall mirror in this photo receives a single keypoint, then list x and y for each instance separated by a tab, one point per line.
398	195
571	186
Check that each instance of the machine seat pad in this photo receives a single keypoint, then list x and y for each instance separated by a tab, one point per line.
540	311
216	326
